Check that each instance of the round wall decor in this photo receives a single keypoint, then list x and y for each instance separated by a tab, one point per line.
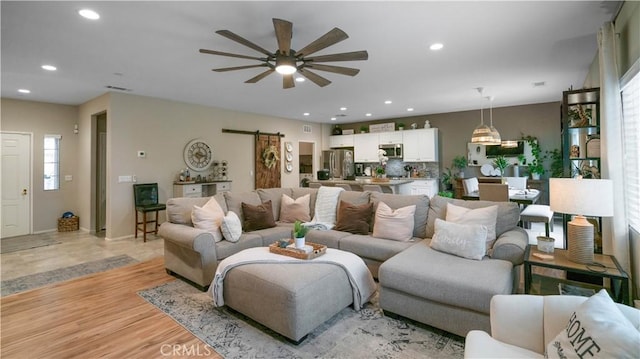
198	155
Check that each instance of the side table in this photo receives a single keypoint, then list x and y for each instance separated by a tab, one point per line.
610	269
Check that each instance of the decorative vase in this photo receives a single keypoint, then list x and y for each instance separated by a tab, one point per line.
299	242
516	171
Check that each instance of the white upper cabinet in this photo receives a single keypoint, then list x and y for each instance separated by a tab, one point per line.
420	145
340	141
365	147
390	138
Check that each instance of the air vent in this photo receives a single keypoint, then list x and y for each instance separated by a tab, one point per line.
306	128
118	88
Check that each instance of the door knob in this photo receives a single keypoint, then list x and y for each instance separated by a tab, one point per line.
24	191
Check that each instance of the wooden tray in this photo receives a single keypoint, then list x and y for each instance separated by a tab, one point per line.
375	179
318	250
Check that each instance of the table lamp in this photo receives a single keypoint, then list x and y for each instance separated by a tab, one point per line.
581	197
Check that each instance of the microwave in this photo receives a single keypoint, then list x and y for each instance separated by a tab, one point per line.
392	151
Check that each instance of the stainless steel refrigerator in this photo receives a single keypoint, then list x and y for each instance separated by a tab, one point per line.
339	163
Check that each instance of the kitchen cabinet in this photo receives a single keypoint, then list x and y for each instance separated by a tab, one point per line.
339	141
420	145
421	186
205	189
389	138
365	147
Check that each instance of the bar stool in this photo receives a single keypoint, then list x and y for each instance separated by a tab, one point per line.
372	188
346	187
538	213
315	185
146	201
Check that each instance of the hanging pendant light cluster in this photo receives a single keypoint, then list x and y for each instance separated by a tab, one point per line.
483	134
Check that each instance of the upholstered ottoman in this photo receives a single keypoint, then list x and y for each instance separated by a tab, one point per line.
291	299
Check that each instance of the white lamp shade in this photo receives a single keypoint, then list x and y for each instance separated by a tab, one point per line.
587	197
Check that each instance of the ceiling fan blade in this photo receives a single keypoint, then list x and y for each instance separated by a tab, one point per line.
287	81
213	52
224	69
345	56
335	69
241	40
284	30
315	78
255	79
330	38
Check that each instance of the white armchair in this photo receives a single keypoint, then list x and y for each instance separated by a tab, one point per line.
523	325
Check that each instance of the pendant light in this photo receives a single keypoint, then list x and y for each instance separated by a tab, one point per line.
482	133
495	135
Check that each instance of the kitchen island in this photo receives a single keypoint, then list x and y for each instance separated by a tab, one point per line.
391	186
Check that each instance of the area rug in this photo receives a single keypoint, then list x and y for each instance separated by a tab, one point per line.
32	281
349	334
14	244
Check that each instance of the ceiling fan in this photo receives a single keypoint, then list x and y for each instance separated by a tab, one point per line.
287	61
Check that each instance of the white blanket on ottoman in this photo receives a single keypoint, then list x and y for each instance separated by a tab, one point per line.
362	284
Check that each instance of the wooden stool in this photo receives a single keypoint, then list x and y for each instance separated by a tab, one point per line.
146	200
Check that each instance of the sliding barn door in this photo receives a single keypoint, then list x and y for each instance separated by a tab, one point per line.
267	161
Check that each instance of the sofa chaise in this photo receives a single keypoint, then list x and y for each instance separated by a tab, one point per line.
416	281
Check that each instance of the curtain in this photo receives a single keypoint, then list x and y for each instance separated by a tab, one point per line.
615	233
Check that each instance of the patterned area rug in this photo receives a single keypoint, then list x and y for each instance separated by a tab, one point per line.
349	334
32	281
14	244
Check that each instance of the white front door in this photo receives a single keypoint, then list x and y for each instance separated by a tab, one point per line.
16	191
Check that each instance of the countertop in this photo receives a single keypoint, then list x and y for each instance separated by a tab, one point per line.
361	181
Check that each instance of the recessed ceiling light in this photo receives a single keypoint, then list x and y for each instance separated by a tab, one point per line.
306	114
333	119
49	67
367	114
89	14
24	91
388	102
299	79
436	46
343	108
410	109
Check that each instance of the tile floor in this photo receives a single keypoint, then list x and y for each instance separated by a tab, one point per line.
76	247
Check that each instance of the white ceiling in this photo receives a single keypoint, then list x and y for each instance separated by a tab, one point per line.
152	48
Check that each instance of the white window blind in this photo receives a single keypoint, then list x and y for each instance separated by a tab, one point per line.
51	162
631	145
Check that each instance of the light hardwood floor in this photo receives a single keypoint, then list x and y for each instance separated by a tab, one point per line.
99	315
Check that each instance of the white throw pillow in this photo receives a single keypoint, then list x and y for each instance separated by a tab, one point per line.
487	216
295	210
231	227
462	240
597	329
209	218
396	225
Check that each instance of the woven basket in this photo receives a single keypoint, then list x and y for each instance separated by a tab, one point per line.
68	224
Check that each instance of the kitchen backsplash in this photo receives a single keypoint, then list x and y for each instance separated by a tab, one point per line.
395	168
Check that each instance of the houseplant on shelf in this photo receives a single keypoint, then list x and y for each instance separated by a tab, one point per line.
501	163
400	126
363	129
536	166
299	232
522	160
460	162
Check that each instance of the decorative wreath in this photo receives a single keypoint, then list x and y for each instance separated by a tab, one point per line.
270	156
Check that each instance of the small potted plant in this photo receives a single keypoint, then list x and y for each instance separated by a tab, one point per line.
299	232
501	163
363	129
460	162
516	166
400	126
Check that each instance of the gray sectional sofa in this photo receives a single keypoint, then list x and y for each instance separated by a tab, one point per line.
416	281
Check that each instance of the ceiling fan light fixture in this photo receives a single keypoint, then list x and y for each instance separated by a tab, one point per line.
286	65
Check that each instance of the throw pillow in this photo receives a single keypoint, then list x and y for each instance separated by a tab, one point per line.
597	329
209	218
486	216
354	219
257	217
295	210
462	240
396	225
231	227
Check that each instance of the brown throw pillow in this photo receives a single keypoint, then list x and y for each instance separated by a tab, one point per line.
257	217
354	218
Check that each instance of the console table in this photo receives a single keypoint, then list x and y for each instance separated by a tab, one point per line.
200	189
